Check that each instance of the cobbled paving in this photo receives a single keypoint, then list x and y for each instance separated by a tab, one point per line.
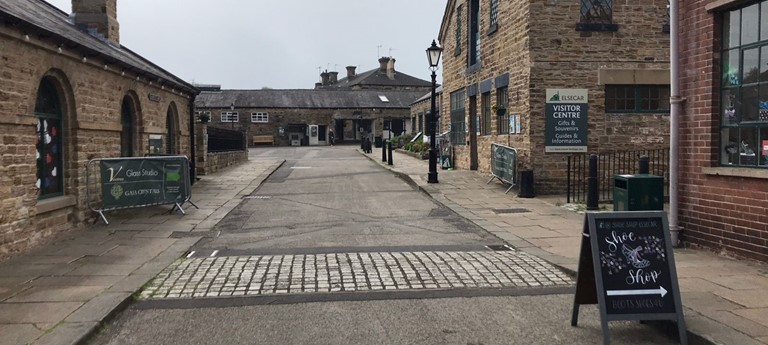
324	273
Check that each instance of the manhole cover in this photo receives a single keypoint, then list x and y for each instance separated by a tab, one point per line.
499	247
257	197
509	210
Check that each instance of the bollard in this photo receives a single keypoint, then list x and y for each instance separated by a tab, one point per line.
384	152
644	165
592	184
389	148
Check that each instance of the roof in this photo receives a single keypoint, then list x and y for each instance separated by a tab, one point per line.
438	91
308	99
377	77
43	17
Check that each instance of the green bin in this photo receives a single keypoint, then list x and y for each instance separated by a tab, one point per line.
641	192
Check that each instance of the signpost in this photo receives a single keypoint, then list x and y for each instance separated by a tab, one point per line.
567	123
503	165
627	267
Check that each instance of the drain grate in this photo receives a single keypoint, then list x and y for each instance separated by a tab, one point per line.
499	247
510	210
257	197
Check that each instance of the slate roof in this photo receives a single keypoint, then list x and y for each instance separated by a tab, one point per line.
438	91
40	16
308	99
377	77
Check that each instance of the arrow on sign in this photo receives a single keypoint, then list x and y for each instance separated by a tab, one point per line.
661	291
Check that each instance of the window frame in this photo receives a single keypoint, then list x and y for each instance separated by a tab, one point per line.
458	117
637	99
590	20
485	113
493	17
259	117
473	39
459	23
229	116
502	98
47	87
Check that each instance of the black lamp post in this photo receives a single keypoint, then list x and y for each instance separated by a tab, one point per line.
433	55
231	114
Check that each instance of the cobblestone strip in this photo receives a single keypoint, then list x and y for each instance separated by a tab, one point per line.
291	274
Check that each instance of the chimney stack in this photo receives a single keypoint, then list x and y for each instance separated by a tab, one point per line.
391	69
350	72
99	15
334	77
383	64
324	77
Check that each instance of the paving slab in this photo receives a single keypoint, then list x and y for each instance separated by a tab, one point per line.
18	334
47	312
68	333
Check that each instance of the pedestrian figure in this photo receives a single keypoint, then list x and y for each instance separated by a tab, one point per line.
367	145
330	136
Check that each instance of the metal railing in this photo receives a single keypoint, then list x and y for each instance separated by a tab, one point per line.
610	164
225	140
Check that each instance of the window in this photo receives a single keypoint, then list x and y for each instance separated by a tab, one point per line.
126	132
459	23
501	99
494	19
259	117
198	113
384	98
744	87
458	121
596	15
637	98
49	144
171	129
485	113
421	122
474	33
228	116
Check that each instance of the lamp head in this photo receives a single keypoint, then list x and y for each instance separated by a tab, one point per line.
433	55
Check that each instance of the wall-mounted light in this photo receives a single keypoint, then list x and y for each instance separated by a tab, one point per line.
106	67
85	59
26	37
59	49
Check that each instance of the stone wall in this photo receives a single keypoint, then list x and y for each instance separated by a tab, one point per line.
91	92
721	207
208	163
537	45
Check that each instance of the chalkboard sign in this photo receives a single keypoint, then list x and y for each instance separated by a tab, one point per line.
627	266
503	164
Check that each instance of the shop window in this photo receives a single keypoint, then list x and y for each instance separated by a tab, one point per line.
596	15
49	143
744	87
458	120
259	117
637	98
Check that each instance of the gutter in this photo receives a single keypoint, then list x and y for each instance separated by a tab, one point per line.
193	160
674	123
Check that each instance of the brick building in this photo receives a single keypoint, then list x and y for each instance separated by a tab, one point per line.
609	60
723	183
372	104
69	92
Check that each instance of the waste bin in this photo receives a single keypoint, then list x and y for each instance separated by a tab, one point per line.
641	192
377	142
526	184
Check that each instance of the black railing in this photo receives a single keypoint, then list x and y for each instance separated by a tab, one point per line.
610	164
224	140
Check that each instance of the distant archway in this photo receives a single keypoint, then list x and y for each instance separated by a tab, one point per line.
171	126
128	128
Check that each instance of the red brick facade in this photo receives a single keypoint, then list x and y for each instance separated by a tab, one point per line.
720	206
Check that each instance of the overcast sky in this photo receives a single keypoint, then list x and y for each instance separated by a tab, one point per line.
250	44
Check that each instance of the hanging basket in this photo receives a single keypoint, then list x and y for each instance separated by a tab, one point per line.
501	111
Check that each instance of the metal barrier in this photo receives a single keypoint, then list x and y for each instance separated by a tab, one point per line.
132	182
610	164
503	165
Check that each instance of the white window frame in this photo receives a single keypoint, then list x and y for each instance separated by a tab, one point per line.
230	116
260	117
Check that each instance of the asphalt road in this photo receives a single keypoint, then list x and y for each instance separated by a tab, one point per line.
333	200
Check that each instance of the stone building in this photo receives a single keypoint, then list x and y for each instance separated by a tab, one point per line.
606	63
723	177
420	111
372	104
69	92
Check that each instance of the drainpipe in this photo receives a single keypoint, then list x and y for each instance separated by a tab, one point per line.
193	159
674	122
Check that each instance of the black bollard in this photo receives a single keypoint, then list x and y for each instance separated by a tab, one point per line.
389	148
384	151
592	184
644	165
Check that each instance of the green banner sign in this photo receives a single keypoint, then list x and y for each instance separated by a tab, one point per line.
131	182
503	163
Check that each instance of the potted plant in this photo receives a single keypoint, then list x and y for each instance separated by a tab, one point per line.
499	109
204	117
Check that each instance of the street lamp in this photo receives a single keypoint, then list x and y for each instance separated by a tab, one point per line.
433	55
231	114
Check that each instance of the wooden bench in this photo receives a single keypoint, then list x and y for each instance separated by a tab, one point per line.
263	139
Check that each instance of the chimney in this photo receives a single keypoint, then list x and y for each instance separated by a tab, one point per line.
318	85
383	64
324	77
350	72
391	69
98	15
334	77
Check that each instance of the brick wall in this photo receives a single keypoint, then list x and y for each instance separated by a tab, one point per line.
92	96
720	207
537	44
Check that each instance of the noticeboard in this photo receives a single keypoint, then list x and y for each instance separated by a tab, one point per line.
143	181
567	122
627	266
503	164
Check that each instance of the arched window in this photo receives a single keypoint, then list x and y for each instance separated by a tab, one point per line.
170	126
126	134
49	133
